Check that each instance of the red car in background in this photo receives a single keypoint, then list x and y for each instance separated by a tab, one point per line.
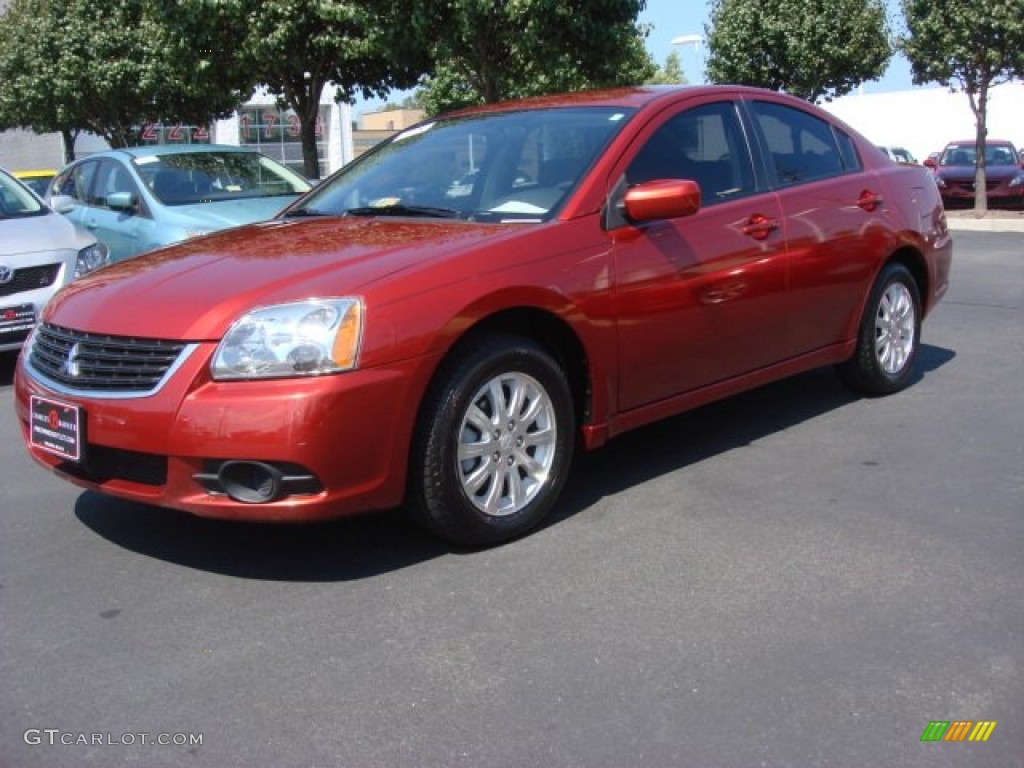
955	173
443	322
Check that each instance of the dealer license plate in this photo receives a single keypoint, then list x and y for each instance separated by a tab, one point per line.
16	322
56	427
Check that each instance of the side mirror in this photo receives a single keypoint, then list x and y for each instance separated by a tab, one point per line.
63	203
121	201
930	163
662	199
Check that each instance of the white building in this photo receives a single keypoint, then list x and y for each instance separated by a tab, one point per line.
924	120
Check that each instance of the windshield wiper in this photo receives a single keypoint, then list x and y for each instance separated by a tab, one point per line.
403	210
300	212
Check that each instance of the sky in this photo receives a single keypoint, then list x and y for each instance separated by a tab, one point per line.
678	18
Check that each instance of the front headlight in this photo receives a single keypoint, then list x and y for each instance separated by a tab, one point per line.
306	338
940	181
90	258
1017	181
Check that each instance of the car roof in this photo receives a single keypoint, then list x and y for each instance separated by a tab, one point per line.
174	149
632	97
973	142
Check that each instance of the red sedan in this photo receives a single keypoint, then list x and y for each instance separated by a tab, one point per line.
442	323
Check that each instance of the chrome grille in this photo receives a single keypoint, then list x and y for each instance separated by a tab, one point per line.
29	279
100	363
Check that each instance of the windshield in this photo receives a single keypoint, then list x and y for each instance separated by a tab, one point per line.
508	166
211	177
16	201
963	154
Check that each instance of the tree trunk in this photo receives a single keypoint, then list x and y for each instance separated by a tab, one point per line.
69	136
980	107
307	133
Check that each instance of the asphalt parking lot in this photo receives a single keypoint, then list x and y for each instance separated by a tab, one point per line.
793	577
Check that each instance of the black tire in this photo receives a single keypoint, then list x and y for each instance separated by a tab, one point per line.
889	336
511	472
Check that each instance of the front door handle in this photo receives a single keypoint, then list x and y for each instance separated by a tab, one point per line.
760	226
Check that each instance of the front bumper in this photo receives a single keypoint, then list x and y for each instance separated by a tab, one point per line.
349	431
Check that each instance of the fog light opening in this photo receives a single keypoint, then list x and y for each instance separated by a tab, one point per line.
250	482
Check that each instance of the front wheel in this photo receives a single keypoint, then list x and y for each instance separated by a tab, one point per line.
889	335
493	443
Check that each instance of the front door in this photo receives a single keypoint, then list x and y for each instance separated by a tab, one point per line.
701	299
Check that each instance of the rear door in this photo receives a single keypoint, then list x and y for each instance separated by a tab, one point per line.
832	211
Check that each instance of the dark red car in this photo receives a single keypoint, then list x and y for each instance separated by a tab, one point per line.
956	171
443	323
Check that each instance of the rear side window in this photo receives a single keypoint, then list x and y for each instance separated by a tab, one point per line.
802	147
76	182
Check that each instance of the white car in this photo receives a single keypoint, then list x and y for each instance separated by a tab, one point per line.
40	252
899	154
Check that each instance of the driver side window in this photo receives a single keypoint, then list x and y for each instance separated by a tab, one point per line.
706	145
112	178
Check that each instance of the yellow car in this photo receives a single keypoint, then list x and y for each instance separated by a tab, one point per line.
36	180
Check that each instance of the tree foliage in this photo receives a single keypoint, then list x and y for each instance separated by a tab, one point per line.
970	45
485	51
70	65
813	49
296	48
671	73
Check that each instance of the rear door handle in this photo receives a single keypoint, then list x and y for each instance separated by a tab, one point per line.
869	201
760	226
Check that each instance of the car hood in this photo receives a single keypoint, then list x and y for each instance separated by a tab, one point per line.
229	213
196	289
40	234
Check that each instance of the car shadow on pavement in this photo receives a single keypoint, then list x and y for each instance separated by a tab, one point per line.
717	428
338	550
368	545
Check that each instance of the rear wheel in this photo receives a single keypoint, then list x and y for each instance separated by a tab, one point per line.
889	335
493	444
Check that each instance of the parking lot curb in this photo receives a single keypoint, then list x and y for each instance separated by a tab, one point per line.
988	224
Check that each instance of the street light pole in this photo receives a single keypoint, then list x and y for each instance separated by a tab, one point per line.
697	41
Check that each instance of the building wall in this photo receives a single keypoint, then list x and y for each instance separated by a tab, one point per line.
390	119
22	150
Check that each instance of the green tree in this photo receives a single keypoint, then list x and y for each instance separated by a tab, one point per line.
296	48
671	73
71	65
813	49
970	45
23	64
486	51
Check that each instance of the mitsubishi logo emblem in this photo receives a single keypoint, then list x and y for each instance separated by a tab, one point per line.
71	364
6	274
